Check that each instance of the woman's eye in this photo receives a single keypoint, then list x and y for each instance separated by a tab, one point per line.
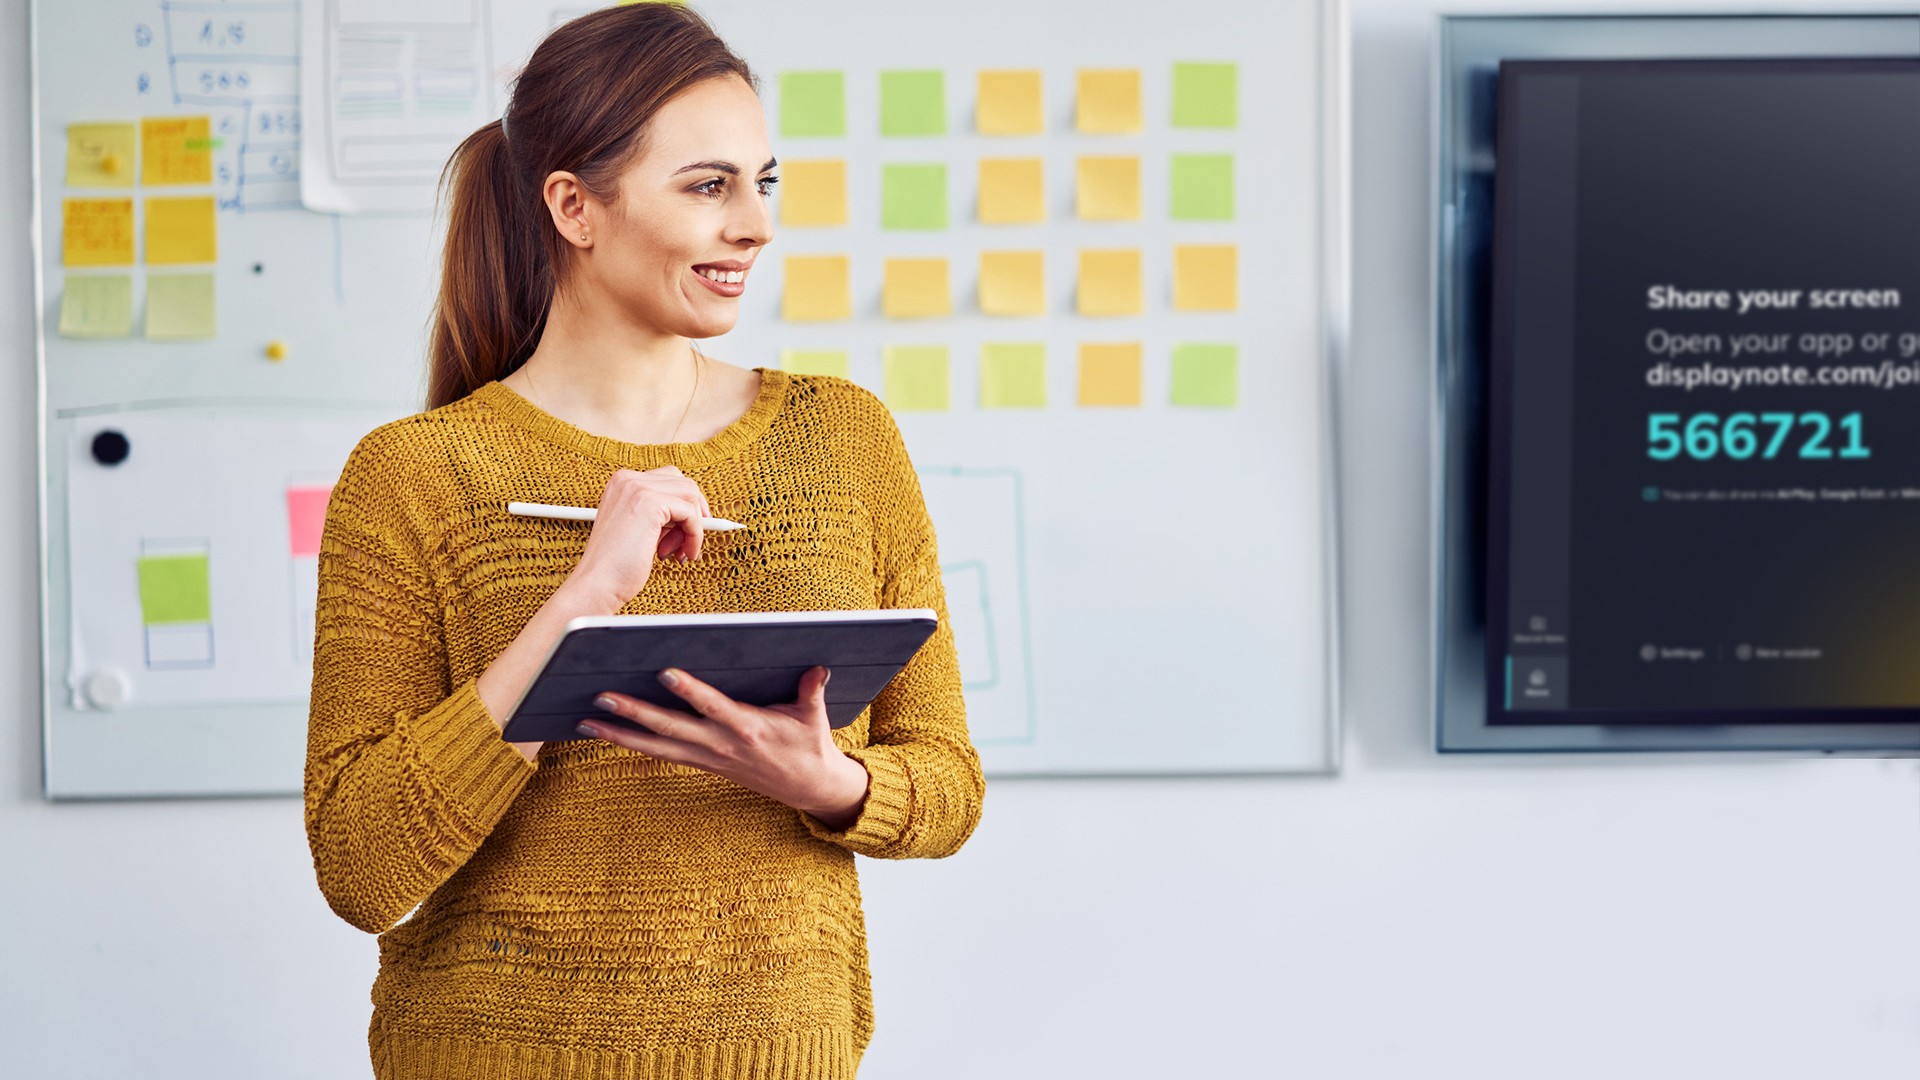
766	184
711	187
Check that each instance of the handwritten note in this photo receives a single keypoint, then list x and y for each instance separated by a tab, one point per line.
813	103
96	232
1110	282
181	231
817	289
916	289
813	194
1108	101
1013	375
176	150
913	103
1206	375
1012	191
1206	277
1009	103
97	306
917	379
1013	283
180	307
1109	188
100	155
1110	373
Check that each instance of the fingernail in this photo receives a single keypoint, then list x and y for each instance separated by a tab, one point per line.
588	730
669	679
605	702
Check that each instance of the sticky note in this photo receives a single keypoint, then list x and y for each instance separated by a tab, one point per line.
306	518
176	150
916	289
913	197
1110	373
813	194
180	231
1206	95
1206	277
1108	101
96	232
813	103
175	589
913	103
97	306
1205	375
180	307
818	288
1009	103
916	378
1013	283
1110	282
815	362
1202	187
1012	191
1013	376
100	155
1108	188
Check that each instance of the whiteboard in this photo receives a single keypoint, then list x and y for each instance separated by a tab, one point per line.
1143	590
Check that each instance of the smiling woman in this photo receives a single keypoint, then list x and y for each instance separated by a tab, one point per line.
675	895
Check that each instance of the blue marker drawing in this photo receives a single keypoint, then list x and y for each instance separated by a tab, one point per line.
980	517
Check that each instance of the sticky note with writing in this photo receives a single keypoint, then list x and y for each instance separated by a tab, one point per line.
100	155
176	150
96	232
97	306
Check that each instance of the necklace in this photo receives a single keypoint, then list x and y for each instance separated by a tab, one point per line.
699	361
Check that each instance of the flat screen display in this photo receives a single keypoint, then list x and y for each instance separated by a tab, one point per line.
1704	441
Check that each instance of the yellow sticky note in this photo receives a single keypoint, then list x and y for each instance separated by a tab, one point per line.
916	378
813	193
100	155
815	362
1110	282
176	150
180	307
97	306
180	231
1013	376
1108	102
1009	103
817	289
1108	188
1110	373
1012	191
1013	283
96	232
1206	277
916	289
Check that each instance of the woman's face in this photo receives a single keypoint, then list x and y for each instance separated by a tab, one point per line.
693	206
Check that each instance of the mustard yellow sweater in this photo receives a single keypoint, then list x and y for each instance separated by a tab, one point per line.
605	915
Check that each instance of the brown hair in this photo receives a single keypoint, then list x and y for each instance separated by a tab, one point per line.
580	106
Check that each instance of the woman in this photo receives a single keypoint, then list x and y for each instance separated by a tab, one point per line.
675	904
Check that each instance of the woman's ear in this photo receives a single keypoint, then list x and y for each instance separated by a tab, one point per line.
566	203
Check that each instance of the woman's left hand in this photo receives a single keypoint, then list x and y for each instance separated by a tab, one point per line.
784	752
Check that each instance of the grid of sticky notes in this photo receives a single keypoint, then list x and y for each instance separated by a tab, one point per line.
124	208
916	197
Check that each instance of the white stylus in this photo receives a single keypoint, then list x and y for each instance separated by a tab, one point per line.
588	513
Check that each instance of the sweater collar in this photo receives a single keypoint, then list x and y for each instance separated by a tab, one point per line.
729	441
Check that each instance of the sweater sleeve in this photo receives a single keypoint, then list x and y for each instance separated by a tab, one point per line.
925	787
406	774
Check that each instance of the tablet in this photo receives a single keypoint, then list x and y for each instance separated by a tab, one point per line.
753	657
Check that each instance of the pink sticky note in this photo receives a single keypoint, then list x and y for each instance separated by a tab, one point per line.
306	513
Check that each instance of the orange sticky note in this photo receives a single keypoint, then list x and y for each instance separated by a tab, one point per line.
1010	103
1013	283
1109	188
916	289
1110	374
813	193
818	288
96	232
1012	191
181	231
176	150
1206	277
1108	102
1110	282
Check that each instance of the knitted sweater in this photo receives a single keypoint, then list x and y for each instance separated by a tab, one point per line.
603	914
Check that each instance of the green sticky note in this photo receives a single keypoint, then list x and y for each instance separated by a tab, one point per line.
1013	376
913	103
1206	375
1206	95
174	589
815	362
813	103
97	306
913	197
180	307
1203	187
917	378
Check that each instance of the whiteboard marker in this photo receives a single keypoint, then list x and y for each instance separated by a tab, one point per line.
588	513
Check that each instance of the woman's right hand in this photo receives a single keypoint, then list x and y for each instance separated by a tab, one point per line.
642	515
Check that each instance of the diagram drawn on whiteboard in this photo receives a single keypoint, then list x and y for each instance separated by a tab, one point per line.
979	517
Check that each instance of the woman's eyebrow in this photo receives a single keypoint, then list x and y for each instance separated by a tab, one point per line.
727	167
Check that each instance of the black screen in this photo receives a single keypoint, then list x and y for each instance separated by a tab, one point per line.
1704	488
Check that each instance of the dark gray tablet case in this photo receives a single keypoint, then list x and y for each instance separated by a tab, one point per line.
756	663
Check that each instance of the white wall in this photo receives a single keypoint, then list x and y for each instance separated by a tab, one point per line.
1478	919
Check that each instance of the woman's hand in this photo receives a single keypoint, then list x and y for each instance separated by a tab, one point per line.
784	752
641	515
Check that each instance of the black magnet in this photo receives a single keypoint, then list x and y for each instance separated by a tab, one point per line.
110	447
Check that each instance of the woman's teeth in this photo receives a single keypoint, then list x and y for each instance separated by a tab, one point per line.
726	277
